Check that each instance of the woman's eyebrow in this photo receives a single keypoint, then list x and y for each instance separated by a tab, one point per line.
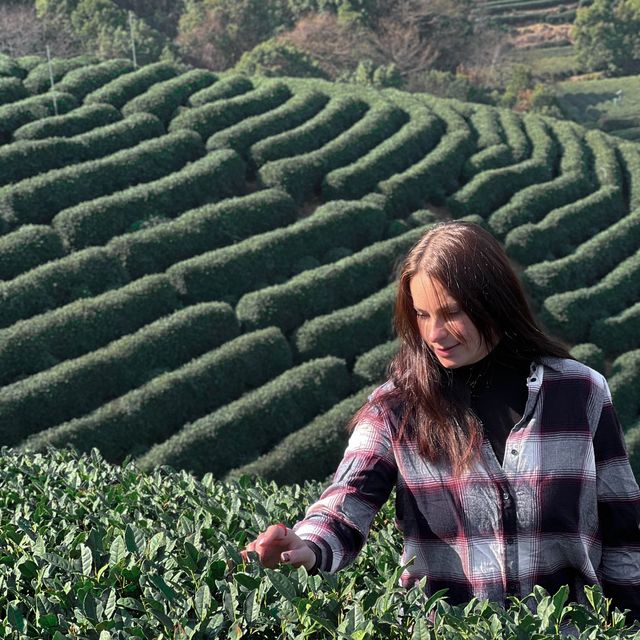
446	308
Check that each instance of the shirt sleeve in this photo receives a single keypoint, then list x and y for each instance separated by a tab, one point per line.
339	522
618	511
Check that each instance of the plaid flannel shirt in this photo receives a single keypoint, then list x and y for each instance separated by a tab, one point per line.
563	508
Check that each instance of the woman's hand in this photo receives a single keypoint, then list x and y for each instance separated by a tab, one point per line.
278	544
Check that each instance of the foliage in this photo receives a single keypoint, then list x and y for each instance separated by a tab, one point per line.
97	551
446	84
276	58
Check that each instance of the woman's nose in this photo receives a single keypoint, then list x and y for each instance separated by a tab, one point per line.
437	332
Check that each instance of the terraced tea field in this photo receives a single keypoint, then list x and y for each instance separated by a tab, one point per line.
196	269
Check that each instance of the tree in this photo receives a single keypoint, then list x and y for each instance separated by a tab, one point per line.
277	58
607	36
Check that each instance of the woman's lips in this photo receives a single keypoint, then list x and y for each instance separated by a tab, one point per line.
447	351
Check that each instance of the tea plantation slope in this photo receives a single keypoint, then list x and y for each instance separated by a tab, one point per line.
196	269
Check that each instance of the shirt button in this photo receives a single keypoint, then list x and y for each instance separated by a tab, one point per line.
514	452
506	497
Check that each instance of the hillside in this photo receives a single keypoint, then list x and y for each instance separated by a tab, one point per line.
196	269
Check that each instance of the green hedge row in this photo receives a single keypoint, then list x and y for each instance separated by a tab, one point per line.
203	229
371	367
39	199
606	165
54	284
162	99
10	67
485	122
350	331
126	87
215	176
491	189
430	179
521	6
29	62
292	113
213	117
12	90
239	428
273	256
516	137
620	332
38	80
227	87
572	313
492	157
394	155
337	117
313	452
590	354
27	248
76	387
132	423
322	290
630	160
624	383
82	81
74	123
632	439
27	158
302	174
536	201
82	326
15	115
566	227
590	262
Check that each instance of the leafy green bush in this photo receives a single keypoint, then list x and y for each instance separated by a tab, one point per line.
203	229
53	284
271	256
11	90
163	98
78	121
132	423
303	173
83	326
226	87
75	387
630	162
215	116
16	114
623	382
94	222
39	78
618	333
337	117
517	139
82	81
27	248
102	553
296	396
590	354
371	367
10	67
39	199
126	87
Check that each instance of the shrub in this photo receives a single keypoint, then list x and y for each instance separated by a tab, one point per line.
517	139
498	155
313	452
213	117
296	397
607	167
203	229
566	227
10	67
126	87
302	174
82	326
82	81
291	114
349	331
491	189
485	122
78	121
215	176
163	98
15	115
589	354
39	199
337	117
277	58
573	313
27	248
222	274
630	163
371	367
38	79
618	333
11	90
624	382
632	439
394	155
76	387
590	262
227	87
134	422
326	288
59	282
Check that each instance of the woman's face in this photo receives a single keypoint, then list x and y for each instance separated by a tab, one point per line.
431	302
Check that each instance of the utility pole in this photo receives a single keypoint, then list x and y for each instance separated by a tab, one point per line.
133	41
53	92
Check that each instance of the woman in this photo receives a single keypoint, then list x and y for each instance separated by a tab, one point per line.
507	457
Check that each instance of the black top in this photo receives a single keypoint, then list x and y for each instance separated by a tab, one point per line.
495	388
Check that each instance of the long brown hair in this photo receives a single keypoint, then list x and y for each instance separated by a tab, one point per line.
473	267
